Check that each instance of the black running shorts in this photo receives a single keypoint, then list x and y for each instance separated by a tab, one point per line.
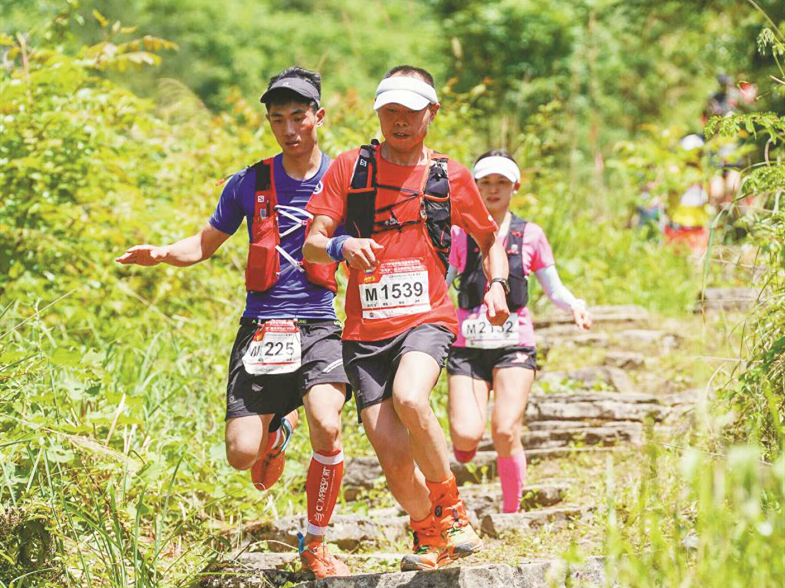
280	394
479	363
371	365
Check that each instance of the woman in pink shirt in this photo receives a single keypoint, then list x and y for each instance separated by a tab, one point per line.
503	359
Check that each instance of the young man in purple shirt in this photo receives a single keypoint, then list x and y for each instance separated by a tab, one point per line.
287	352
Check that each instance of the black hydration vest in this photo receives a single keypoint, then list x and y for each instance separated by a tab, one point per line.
471	289
361	207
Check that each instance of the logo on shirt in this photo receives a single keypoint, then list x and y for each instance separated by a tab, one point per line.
260	198
318	189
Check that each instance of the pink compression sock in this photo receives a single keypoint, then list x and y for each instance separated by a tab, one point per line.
464	456
512	473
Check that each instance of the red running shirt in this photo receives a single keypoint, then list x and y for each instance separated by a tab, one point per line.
408	288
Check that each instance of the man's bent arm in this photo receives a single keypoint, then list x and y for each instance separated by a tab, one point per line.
494	257
183	253
315	246
494	264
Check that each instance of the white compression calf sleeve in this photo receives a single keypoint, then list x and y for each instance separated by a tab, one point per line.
557	292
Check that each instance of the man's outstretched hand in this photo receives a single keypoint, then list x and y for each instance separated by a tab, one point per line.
147	255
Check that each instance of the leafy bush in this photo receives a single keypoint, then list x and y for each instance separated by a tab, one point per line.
758	393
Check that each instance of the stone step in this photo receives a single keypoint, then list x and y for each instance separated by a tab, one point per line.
624	340
483	499
361	473
484	462
727	299
598	406
562	437
535	496
265	560
614	377
543	574
496	524
600	315
625	360
346	531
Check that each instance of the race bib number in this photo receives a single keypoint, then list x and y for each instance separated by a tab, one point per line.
275	349
480	334
396	288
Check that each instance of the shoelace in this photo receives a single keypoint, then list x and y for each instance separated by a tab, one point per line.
458	523
325	558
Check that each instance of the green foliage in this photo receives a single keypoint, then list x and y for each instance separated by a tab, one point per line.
242	43
615	64
698	518
758	395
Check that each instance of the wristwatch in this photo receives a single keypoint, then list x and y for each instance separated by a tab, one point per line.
503	281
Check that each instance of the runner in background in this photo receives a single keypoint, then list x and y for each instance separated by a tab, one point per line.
689	211
727	154
398	201
499	358
287	352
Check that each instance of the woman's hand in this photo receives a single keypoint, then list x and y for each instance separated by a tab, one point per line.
582	317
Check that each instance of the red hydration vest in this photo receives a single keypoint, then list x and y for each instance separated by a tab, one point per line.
264	253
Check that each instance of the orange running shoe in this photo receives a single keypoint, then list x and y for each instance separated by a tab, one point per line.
269	467
452	520
316	559
458	533
429	547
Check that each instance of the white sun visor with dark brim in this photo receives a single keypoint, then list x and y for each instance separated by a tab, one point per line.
412	93
497	165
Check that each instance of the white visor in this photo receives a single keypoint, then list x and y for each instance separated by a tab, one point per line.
497	165
412	93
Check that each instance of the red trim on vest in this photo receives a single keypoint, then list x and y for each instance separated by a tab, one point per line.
264	264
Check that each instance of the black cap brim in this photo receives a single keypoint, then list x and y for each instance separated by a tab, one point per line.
299	86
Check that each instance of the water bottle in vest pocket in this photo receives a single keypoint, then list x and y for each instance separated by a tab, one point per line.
264	265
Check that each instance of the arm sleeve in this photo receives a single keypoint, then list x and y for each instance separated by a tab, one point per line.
557	292
229	214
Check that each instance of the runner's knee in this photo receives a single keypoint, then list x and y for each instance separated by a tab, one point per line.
410	406
241	454
465	436
325	434
505	433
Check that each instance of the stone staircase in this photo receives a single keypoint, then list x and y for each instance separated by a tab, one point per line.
587	412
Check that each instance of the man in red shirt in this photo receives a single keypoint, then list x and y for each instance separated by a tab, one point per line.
398	201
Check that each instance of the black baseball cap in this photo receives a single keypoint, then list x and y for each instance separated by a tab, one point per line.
299	86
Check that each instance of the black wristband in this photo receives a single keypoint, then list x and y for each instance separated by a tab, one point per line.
503	281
